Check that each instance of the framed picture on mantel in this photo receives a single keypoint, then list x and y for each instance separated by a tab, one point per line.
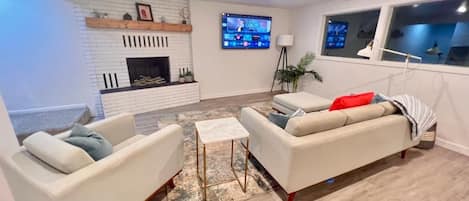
144	12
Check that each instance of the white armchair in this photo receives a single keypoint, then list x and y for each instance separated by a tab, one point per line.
138	167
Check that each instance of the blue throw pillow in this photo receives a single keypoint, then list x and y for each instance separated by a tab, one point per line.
280	120
378	98
92	142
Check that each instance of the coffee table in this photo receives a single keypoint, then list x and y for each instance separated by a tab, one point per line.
215	131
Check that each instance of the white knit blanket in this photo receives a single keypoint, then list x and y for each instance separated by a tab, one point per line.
418	113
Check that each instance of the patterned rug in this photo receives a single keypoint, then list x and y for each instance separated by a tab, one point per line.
219	173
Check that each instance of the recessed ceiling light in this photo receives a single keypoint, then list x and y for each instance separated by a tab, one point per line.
462	8
416	5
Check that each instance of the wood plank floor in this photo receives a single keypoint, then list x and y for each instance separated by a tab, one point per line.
425	175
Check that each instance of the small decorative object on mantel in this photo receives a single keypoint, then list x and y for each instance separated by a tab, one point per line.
99	14
188	76
181	75
127	16
184	13
163	19
144	12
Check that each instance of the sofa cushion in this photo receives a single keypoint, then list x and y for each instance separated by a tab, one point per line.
389	108
127	142
356	100
315	122
301	100
363	113
57	153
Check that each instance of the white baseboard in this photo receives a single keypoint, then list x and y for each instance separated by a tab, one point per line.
233	93
452	146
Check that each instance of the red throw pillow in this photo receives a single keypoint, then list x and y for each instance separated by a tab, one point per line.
344	102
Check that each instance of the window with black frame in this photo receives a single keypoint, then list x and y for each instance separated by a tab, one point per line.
346	34
437	31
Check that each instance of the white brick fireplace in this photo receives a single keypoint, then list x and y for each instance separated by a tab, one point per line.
107	51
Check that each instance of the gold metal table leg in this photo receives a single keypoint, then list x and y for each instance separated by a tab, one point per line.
246	165
205	173
197	152
244	188
203	180
232	148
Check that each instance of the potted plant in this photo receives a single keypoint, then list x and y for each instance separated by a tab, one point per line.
181	76
292	74
188	76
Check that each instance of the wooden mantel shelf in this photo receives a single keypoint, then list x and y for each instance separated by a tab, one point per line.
136	25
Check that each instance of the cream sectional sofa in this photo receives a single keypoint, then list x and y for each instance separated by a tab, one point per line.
322	145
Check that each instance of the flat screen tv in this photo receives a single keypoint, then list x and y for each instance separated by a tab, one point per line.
245	31
336	34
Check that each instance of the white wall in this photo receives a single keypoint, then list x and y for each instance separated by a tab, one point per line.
442	87
232	72
8	143
42	62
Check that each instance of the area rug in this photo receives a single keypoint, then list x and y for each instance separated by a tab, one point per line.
219	174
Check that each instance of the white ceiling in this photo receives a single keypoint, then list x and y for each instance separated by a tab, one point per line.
272	3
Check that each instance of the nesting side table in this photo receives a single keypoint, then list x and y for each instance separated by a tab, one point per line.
220	130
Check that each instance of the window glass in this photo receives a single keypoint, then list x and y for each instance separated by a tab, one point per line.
438	32
346	34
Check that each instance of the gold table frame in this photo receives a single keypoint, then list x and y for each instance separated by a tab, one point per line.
203	181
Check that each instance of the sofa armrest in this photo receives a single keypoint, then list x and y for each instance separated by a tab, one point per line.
270	144
116	129
133	173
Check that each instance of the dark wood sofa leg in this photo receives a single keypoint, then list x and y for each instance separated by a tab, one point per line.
291	196
171	183
403	154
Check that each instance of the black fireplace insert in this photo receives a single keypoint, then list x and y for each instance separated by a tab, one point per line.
148	71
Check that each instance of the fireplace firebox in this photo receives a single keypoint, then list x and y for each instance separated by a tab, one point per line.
148	71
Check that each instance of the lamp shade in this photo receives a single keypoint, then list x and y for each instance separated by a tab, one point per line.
285	40
365	52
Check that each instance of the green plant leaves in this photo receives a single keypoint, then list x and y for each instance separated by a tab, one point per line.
291	74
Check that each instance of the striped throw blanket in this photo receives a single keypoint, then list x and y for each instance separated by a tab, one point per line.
420	116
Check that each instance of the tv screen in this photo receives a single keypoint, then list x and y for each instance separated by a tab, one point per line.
245	31
336	34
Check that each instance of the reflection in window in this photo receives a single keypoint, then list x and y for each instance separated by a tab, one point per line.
438	32
348	33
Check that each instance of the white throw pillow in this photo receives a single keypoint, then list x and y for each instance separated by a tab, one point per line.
57	153
298	113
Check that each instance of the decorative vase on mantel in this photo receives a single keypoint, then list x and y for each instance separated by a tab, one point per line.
182	79
188	76
182	73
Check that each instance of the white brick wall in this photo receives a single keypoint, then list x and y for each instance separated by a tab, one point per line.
146	100
105	51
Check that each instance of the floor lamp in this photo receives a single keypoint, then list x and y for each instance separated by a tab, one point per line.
283	41
366	52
